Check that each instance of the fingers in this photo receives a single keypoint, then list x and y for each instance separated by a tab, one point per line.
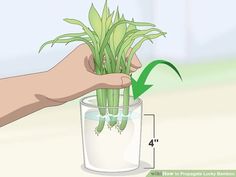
134	65
132	70
113	81
91	63
135	62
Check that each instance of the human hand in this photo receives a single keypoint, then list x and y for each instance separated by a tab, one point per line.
74	76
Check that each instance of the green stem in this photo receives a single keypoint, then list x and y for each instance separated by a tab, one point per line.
101	103
126	100
114	104
110	101
100	126
111	58
108	63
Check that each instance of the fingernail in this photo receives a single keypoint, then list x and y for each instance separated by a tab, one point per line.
125	81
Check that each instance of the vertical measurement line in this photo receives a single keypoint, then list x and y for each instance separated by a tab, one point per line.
154	158
154	135
154	123
154	127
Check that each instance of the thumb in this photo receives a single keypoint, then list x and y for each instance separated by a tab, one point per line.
115	80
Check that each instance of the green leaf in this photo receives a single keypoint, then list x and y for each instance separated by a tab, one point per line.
110	31
133	51
95	21
123	63
130	37
50	42
108	12
104	19
127	43
66	41
73	21
110	59
144	32
71	35
119	33
85	28
112	43
124	48
90	34
105	12
127	34
141	23
154	36
117	16
109	21
131	27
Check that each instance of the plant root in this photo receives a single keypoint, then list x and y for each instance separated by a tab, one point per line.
118	128
113	121
123	123
100	126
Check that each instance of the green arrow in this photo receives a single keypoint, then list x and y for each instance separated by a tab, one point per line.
139	86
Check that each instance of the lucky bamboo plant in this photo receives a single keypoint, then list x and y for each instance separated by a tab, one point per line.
113	41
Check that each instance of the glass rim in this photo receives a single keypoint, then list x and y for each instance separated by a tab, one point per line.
135	103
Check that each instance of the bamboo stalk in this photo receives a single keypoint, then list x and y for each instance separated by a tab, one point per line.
126	100
110	101
101	103
114	110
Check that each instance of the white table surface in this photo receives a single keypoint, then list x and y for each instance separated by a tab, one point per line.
195	127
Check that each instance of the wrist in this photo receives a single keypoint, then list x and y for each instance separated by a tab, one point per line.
48	89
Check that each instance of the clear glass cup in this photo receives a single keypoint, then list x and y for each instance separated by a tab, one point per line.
110	149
